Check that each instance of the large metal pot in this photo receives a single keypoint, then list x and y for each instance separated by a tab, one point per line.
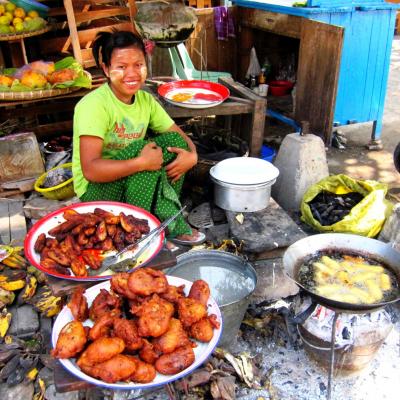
243	184
232	280
375	249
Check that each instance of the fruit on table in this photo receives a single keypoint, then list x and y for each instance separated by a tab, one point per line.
15	19
6	80
10	6
19	12
33	79
33	14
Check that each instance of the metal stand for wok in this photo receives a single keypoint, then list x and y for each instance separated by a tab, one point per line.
332	355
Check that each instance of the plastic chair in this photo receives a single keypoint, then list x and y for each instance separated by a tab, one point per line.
183	67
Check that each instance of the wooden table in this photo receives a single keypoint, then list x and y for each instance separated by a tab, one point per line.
242	101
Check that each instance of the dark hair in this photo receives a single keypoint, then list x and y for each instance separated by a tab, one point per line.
106	42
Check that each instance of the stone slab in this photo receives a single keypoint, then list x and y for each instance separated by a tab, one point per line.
24	322
265	230
18	392
38	207
391	229
52	394
46	330
301	161
217	233
272	282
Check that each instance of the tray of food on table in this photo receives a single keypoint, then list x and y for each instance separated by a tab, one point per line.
41	79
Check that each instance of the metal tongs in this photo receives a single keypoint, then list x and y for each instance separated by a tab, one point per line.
154	233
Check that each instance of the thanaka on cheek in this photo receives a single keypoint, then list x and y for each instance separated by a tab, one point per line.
143	73
116	75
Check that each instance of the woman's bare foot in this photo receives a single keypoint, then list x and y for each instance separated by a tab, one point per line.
196	237
190	238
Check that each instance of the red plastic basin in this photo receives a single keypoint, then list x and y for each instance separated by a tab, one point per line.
280	88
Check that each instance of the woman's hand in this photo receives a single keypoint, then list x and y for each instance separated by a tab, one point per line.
151	157
183	162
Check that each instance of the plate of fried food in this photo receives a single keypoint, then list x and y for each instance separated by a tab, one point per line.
72	242
138	330
193	93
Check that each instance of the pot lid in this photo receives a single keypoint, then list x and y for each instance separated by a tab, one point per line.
244	171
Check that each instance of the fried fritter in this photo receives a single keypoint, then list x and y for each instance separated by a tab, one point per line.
101	350
78	267
71	340
146	281
78	304
40	243
203	330
175	362
173	293
154	316
147	353
175	337
104	325
190	311
104	303
127	330
144	372
118	368
119	284
200	291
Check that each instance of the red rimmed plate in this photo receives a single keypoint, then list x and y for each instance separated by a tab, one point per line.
194	93
56	217
202	351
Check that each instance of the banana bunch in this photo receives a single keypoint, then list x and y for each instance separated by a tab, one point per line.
15	259
6	297
45	302
5	321
11	281
30	287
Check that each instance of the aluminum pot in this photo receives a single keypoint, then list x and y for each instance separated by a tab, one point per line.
243	184
375	249
232	280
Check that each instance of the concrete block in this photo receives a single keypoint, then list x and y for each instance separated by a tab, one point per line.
21	391
391	229
265	230
301	161
24	322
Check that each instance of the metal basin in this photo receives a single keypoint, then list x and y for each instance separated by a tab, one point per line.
168	24
232	280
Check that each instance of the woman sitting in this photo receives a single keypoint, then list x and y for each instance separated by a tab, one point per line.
112	159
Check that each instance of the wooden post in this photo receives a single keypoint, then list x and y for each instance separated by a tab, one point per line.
246	40
69	8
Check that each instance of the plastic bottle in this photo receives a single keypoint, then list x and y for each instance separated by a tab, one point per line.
253	82
261	77
266	67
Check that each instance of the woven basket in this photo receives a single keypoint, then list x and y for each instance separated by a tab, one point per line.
36	94
22	35
62	191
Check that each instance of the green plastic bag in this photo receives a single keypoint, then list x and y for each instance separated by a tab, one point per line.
366	218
